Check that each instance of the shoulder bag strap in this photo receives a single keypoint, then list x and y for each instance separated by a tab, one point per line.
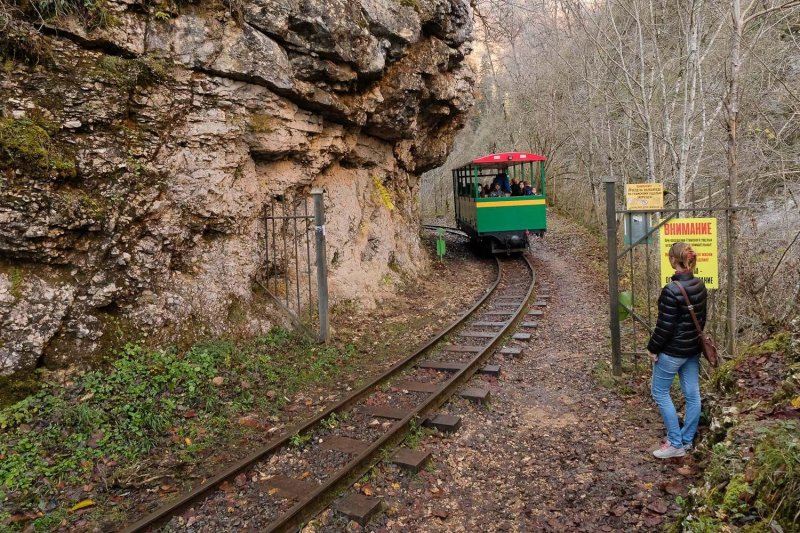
690	307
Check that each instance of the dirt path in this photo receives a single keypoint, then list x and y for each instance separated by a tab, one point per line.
554	451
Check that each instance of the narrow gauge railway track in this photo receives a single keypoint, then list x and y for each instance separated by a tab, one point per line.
284	485
447	229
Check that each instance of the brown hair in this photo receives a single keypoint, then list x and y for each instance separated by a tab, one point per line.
683	254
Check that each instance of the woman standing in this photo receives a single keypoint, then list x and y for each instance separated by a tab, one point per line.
674	348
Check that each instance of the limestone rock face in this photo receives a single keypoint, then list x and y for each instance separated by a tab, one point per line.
137	154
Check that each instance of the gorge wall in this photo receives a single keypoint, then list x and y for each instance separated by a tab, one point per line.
140	141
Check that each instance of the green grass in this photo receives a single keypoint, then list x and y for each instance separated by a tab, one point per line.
150	403
603	377
93	13
299	440
416	432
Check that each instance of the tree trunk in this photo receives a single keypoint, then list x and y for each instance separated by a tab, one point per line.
732	112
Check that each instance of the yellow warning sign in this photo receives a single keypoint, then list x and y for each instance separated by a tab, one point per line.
644	196
701	233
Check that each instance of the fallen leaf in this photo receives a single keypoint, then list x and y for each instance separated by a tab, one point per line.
249	421
188	441
225	486
367	489
83	504
619	510
687	471
440	513
653	520
218	381
305	475
191	413
395	486
273	491
13	519
673	487
658	506
94	439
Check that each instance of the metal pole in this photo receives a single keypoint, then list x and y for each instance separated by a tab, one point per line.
306	221
633	306
322	263
296	256
274	248
284	229
266	245
613	282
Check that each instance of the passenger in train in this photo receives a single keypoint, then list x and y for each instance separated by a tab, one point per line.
496	191
502	179
526	191
515	190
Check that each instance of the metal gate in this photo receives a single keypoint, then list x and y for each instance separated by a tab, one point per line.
295	272
634	269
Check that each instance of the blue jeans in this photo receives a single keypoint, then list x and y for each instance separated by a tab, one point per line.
688	370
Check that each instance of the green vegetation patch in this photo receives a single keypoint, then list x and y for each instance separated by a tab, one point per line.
105	425
131	73
92	13
26	144
745	488
631	382
751	479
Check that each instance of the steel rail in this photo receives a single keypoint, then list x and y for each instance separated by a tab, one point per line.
318	498
170	509
448	229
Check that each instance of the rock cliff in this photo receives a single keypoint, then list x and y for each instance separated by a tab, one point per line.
140	141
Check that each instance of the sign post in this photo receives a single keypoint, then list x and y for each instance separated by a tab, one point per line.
440	245
701	233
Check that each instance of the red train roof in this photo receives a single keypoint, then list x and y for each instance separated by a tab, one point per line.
508	158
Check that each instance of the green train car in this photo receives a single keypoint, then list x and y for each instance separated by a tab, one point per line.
498	221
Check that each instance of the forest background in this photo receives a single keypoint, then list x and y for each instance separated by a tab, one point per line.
704	97
699	95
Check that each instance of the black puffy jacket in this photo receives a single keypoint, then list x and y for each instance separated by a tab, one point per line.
675	333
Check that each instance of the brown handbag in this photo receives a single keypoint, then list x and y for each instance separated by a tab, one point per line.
706	342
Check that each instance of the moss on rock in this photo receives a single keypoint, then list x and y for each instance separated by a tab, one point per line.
131	73
26	145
